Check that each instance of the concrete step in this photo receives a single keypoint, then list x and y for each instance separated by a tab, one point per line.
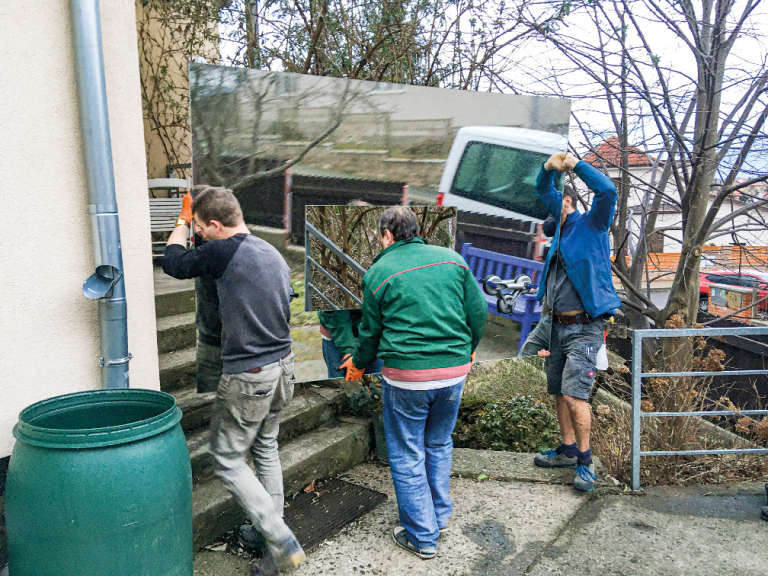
327	451
176	332
175	302
195	408
310	409
174	299
177	369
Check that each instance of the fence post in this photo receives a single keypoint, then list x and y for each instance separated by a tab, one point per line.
287	205
637	369
755	298
307	273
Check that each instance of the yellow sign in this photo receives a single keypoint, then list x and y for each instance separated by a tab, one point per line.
733	299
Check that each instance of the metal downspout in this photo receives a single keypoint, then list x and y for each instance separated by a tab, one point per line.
106	285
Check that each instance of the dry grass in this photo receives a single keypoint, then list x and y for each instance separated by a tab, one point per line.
612	426
501	379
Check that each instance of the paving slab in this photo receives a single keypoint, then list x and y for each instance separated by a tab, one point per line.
221	564
509	466
505	528
498	528
696	530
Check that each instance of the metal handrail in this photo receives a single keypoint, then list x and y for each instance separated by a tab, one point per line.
332	279
311	232
637	380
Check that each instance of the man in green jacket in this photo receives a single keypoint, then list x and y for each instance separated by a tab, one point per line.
423	315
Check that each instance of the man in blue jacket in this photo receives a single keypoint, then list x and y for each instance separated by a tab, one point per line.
578	295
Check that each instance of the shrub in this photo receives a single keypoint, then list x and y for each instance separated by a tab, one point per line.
367	400
521	424
467	432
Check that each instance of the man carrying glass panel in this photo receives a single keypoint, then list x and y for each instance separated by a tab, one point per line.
578	295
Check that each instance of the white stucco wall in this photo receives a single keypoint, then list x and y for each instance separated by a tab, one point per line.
49	340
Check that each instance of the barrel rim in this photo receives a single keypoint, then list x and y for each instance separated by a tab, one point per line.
74	438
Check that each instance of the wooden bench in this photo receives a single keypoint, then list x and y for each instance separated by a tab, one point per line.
483	263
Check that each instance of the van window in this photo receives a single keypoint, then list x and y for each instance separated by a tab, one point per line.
502	177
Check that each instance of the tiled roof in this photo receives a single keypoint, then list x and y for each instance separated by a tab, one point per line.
610	153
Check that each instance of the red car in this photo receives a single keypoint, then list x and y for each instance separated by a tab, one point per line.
746	278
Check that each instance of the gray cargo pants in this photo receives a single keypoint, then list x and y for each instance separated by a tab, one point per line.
246	416
572	364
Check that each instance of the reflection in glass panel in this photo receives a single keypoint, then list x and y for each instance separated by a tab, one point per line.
503	177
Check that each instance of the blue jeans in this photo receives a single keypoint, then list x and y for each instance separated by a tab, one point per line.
418	425
332	356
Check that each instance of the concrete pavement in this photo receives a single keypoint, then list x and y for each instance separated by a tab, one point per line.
529	522
692	530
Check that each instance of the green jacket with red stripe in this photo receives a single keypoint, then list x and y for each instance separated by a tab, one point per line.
422	309
342	326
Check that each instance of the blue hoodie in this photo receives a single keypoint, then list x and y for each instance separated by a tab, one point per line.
585	246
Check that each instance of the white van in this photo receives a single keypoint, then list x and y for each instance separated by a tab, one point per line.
492	170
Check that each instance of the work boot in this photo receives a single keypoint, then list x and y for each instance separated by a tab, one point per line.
250	538
584	477
290	556
554	459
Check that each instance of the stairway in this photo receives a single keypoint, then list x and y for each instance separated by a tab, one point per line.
315	441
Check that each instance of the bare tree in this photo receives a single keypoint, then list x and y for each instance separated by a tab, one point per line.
234	115
170	33
700	109
466	44
354	229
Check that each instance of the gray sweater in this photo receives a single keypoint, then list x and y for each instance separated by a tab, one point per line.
254	287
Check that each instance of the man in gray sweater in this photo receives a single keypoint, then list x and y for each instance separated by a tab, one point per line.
254	288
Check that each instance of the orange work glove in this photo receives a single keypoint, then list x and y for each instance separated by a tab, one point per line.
186	208
353	373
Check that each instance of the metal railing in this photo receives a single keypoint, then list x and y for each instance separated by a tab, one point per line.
637	378
311	232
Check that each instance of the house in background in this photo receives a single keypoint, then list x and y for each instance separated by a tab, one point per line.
645	170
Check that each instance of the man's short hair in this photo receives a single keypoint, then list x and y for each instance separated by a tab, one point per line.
569	192
218	204
401	221
198	189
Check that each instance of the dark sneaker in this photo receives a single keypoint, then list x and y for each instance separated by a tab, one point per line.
398	535
250	538
553	459
584	478
289	558
764	513
444	530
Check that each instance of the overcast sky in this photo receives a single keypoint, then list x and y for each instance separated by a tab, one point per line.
538	58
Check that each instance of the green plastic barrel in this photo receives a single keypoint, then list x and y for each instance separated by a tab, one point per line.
100	484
